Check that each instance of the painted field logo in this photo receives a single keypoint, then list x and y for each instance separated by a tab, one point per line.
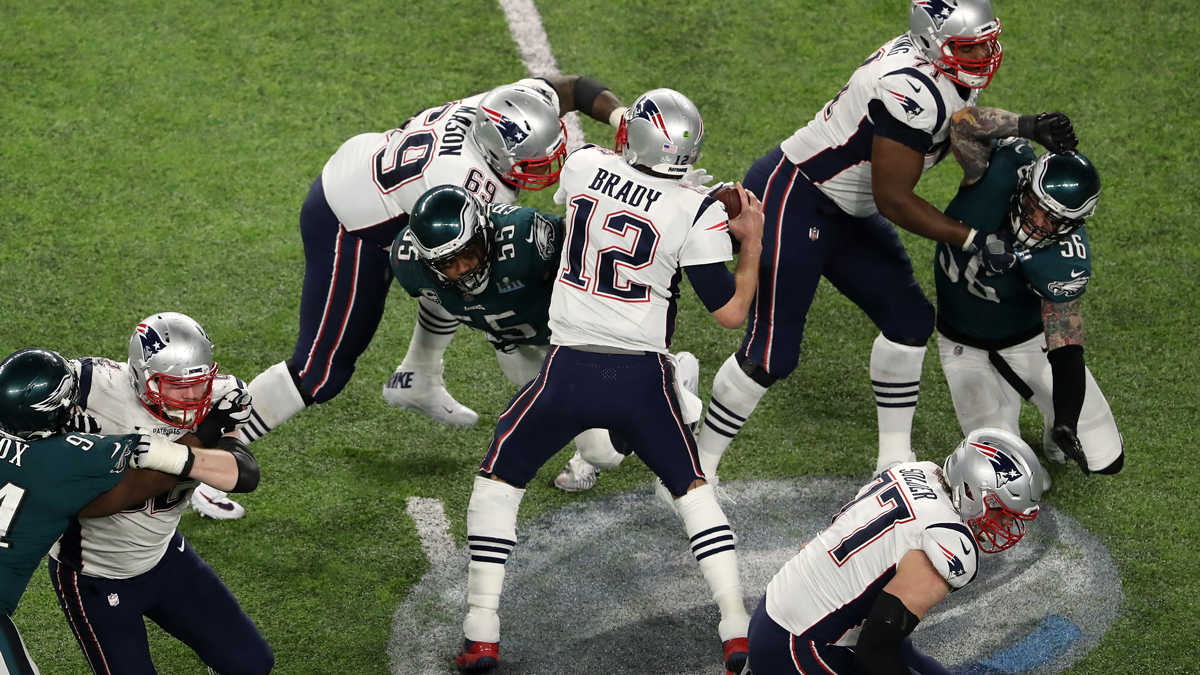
609	586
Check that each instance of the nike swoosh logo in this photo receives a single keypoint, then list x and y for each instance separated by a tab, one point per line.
915	87
182	543
1075	274
530	239
964	545
449	410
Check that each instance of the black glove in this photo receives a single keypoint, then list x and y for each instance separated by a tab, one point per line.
1066	440
228	413
1052	130
996	252
83	423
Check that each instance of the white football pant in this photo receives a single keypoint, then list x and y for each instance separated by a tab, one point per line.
982	398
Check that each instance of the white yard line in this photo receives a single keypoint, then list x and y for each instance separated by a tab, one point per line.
433	527
525	24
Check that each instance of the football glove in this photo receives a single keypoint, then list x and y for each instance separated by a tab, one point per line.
1053	131
153	452
996	252
696	178
1067	441
228	413
83	423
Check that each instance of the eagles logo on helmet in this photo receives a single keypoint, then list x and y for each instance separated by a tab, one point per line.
38	390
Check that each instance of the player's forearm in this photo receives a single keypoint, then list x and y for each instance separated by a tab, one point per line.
1063	322
971	132
733	313
1064	345
136	486
229	467
586	95
918	216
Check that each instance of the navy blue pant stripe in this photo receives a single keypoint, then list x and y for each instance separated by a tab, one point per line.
66	585
714	540
714	415
726	411
724	433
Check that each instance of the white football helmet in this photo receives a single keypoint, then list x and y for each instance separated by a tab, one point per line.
519	131
942	28
992	479
171	348
662	131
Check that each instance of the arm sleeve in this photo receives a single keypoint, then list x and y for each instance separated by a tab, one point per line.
952	550
713	283
1070	383
878	651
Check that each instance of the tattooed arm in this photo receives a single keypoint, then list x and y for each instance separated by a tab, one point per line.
1064	345
1063	322
971	133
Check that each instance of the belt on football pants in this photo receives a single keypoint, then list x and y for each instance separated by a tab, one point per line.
598	349
1009	375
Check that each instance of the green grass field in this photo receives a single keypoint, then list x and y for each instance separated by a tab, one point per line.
154	156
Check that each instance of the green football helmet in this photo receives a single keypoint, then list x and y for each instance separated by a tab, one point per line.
1055	195
452	236
38	390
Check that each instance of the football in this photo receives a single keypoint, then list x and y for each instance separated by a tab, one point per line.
727	194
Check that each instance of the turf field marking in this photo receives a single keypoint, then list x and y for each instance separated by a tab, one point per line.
433	527
525	24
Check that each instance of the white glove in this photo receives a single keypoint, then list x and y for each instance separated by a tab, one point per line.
83	423
160	454
696	178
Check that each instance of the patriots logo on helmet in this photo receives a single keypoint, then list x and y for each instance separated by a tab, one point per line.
956	566
512	134
1072	287
1006	469
647	110
151	342
911	107
56	398
938	10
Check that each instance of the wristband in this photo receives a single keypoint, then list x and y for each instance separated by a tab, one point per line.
168	457
586	91
969	245
614	119
1026	124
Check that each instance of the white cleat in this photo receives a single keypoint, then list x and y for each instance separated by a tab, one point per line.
213	503
425	393
577	475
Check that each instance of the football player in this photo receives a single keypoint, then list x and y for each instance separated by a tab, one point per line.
494	145
54	467
490	267
829	192
1020	336
111	572
847	602
632	229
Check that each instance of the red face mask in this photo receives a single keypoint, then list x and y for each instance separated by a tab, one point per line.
974	72
179	413
993	535
539	174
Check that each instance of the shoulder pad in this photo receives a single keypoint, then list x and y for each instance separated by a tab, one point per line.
952	550
913	98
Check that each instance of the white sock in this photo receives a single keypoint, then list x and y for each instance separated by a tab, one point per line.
714	545
431	336
276	400
595	447
491	535
896	377
734	397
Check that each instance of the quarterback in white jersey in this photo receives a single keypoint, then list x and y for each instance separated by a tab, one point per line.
846	603
632	227
494	145
110	572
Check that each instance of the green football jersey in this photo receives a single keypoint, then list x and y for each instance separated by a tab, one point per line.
998	308
43	484
514	307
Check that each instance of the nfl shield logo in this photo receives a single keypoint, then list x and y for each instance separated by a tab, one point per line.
813	233
113	600
958	350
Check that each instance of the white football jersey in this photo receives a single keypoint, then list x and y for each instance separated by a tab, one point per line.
834	150
374	178
831	585
131	542
628	235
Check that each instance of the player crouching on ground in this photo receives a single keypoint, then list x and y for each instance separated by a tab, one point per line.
1020	336
490	267
111	572
632	229
847	602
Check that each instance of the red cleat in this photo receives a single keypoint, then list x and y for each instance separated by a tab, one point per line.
737	651
480	657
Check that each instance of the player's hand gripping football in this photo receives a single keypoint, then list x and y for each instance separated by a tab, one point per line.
1053	131
747	227
230	412
1067	441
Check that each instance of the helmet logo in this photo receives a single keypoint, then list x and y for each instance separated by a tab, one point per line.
1006	470
509	130
938	11
647	110
911	107
151	342
55	400
956	565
